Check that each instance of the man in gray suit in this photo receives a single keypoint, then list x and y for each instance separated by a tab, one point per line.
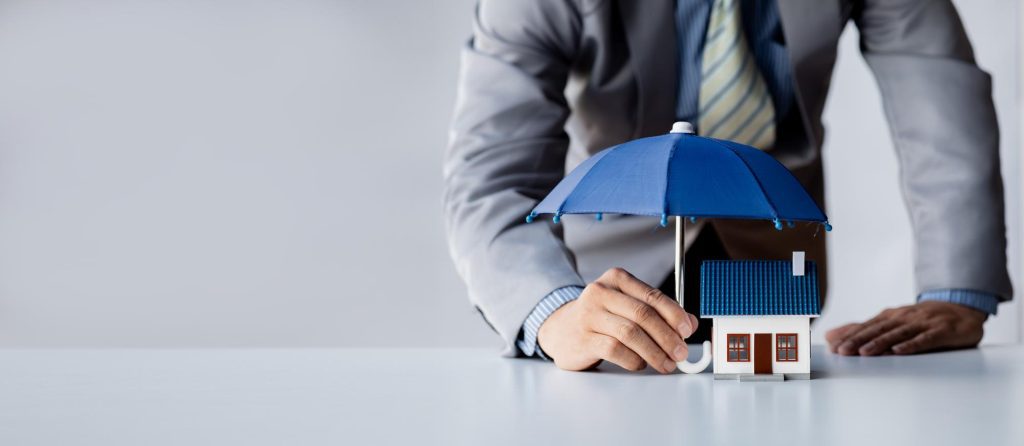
547	83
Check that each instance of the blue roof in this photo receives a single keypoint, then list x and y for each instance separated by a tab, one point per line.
757	288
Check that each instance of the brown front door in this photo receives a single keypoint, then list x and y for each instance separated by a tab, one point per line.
762	353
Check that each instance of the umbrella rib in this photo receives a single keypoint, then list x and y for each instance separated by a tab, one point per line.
771	205
668	172
582	179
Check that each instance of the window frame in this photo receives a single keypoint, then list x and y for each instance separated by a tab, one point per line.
745	349
779	349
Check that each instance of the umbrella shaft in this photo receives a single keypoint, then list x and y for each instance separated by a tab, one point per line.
680	259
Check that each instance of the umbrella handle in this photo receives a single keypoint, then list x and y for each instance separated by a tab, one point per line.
705	355
696	367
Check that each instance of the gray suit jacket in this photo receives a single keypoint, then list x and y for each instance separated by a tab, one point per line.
546	83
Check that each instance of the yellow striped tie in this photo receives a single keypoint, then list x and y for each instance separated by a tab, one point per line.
734	100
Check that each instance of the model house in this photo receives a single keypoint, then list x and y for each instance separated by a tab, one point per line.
761	311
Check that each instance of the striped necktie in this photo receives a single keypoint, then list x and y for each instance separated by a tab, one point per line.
734	100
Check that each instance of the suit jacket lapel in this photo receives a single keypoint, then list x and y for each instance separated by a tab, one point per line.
812	29
651	36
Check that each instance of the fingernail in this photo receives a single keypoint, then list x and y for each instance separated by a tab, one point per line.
684	330
868	348
679	353
668	366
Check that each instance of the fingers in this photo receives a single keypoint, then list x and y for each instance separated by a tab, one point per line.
869	331
650	320
837	335
635	338
632	324
924	341
613	351
667	308
887	340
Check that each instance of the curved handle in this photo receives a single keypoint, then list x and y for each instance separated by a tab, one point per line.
696	367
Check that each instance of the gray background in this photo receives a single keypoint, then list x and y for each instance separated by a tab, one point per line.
267	173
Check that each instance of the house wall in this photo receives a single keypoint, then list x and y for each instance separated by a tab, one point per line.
761	324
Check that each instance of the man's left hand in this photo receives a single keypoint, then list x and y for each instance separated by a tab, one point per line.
918	328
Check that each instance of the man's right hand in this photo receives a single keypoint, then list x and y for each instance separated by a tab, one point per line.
619	319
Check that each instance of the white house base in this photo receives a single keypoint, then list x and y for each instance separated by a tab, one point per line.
762	377
744	377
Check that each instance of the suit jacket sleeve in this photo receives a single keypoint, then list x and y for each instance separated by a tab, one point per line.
507	149
943	122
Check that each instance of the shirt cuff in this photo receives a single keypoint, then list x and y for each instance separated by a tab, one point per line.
553	301
978	300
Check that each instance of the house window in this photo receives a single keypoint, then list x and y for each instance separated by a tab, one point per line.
785	347
739	348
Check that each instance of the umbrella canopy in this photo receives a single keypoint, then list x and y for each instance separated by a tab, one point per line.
682	174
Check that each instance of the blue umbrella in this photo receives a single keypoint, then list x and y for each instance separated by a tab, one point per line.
684	176
681	174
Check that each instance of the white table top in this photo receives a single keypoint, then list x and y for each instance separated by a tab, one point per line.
465	396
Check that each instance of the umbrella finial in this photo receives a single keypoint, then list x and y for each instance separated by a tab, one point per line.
693	219
682	127
598	216
664	220
828	227
557	218
778	224
529	218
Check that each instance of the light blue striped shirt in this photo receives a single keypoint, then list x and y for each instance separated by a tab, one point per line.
528	339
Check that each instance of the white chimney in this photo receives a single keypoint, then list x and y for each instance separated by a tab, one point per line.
798	263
